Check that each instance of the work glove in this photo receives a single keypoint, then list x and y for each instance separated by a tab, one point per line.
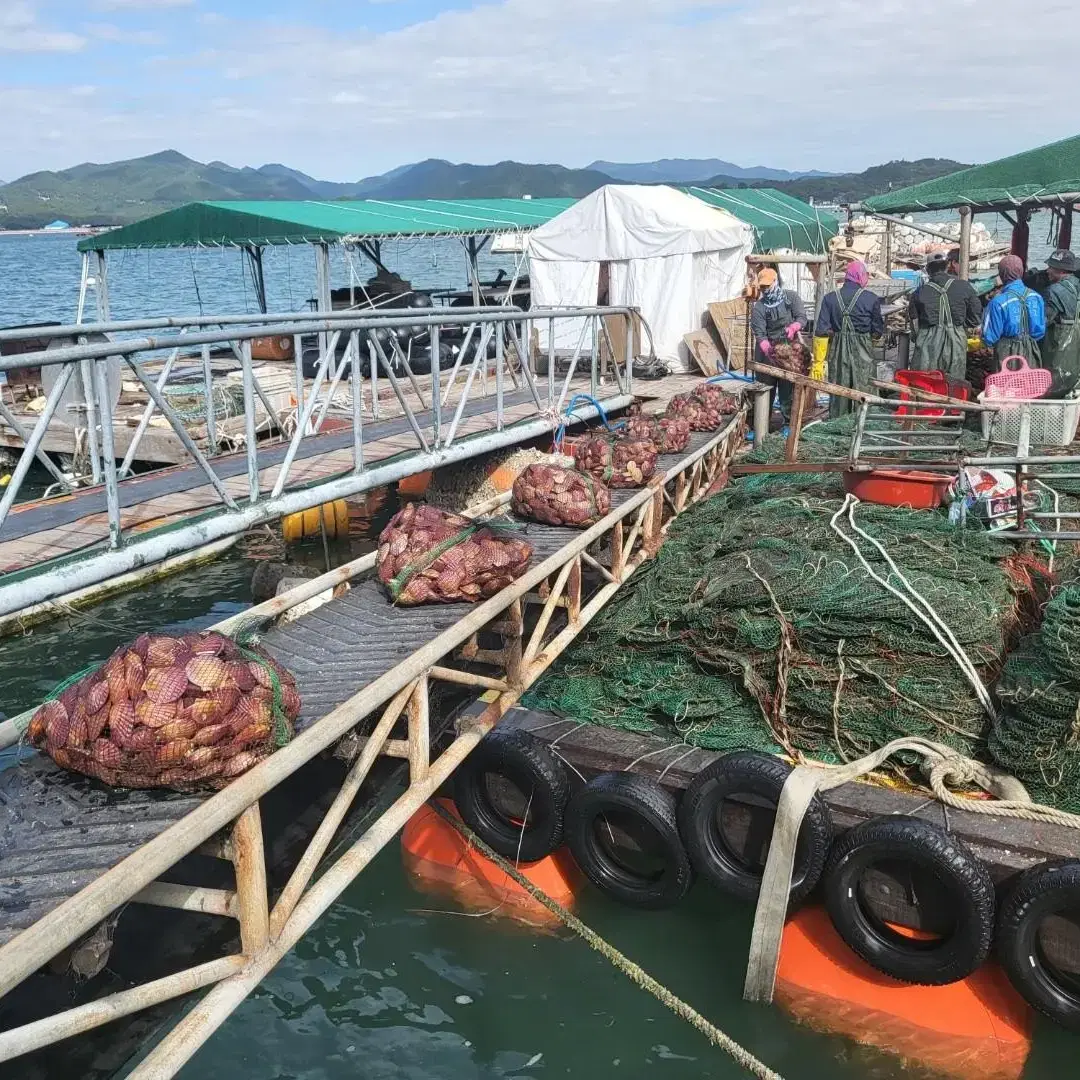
767	347
792	331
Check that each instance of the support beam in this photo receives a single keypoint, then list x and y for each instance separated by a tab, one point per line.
251	896
965	243
1021	234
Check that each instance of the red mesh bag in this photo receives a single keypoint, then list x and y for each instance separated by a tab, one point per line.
432	556
704	408
618	462
557	496
170	712
791	356
671	434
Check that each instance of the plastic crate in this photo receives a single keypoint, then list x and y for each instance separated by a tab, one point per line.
1053	423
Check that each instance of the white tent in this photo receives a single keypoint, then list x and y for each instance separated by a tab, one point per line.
668	254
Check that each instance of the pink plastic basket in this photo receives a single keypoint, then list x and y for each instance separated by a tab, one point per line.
1018	380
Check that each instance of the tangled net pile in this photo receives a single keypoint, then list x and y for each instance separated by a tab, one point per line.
1037	733
758	627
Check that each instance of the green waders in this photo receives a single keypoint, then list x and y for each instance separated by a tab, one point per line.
942	347
1024	345
850	358
1061	353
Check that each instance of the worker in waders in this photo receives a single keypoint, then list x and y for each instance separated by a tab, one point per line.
850	317
942	310
778	315
1061	346
1015	320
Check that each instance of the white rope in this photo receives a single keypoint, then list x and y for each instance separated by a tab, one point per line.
916	603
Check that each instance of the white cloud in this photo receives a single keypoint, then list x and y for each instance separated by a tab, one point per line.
20	31
796	84
139	5
113	34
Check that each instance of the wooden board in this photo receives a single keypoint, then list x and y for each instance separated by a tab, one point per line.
732	322
704	351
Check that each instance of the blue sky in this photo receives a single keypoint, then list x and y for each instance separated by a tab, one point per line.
345	90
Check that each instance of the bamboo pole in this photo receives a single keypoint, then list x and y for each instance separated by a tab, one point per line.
545	615
467	678
252	900
189	898
51	1029
419	711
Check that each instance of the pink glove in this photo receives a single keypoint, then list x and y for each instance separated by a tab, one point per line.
766	347
792	331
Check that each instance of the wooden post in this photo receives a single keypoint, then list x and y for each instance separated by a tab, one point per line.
762	408
965	242
251	899
419	732
1021	233
573	592
1064	236
798	411
618	556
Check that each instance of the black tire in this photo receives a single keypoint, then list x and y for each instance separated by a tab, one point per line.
967	887
528	832
643	812
1050	889
761	776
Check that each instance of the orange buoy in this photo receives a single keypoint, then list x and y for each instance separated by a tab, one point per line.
308	524
415	486
438	859
975	1029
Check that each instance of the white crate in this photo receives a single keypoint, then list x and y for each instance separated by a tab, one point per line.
1053	423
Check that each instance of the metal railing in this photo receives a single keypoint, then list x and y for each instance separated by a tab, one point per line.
364	371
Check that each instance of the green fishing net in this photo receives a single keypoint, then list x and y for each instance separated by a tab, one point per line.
758	626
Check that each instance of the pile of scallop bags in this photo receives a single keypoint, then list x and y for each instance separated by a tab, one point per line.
671	434
619	462
704	408
171	712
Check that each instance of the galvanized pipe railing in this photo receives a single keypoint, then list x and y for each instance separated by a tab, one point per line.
437	442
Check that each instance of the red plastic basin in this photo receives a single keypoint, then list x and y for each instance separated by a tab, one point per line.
889	487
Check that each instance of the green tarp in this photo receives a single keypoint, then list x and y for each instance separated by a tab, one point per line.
1033	177
257	223
778	220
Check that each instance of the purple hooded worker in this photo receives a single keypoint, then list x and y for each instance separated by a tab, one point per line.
850	317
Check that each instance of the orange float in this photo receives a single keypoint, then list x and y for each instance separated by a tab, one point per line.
415	486
438	859
975	1029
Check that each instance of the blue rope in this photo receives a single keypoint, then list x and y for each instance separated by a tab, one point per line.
728	374
568	412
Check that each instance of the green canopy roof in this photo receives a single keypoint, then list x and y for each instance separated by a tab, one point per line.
1034	177
255	223
778	220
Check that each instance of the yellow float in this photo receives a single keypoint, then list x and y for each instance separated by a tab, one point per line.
308	524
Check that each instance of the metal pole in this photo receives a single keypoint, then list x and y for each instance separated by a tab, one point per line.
357	404
458	360
102	287
84	281
86	379
322	279
44	460
211	413
396	387
33	444
376	411
551	362
182	434
436	386
965	242
500	356
108	452
481	357
630	352
250	436
594	357
144	420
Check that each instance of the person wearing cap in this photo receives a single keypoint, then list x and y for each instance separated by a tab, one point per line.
1061	347
942	310
850	317
1015	319
777	315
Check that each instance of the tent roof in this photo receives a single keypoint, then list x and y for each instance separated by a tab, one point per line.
636	221
778	220
214	224
1034	177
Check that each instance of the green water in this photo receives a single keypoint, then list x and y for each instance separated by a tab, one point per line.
392	985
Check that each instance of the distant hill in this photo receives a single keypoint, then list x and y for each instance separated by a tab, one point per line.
690	170
851	187
124	191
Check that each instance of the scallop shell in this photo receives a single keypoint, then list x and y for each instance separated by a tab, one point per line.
201	756
142	739
260	672
35	732
253	733
290	700
241	675
208	642
171	753
107	753
95	724
77	733
241	763
205	711
155	714
165	684
206	672
161	652
97	698
211	735
140	646
134	674
178	729
122	723
226	698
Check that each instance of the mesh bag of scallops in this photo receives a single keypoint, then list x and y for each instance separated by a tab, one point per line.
182	712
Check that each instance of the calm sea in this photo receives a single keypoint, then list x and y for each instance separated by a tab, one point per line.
392	984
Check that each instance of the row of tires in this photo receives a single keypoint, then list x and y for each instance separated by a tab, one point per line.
636	844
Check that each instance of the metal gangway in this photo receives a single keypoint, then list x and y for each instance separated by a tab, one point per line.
361	418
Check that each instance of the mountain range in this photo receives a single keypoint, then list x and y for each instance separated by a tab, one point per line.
123	191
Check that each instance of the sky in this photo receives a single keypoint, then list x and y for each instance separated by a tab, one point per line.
346	90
